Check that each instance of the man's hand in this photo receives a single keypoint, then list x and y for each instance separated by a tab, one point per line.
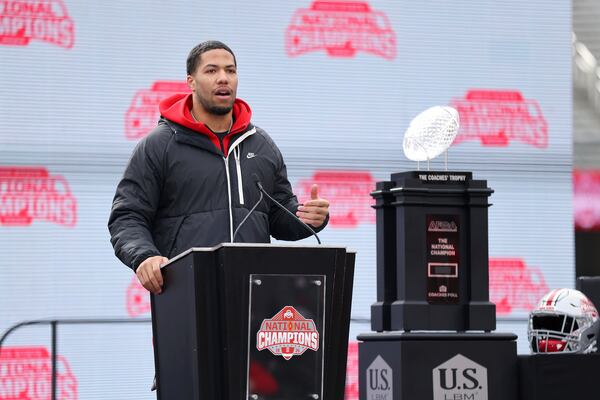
149	273
314	211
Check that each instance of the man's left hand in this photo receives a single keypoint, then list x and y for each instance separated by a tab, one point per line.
314	211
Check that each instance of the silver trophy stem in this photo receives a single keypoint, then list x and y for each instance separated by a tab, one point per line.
426	155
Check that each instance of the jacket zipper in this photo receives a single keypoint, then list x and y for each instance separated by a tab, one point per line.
236	153
239	172
226	160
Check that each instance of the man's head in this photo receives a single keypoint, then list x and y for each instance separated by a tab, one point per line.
195	55
212	76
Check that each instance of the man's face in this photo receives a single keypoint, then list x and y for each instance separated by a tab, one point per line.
215	81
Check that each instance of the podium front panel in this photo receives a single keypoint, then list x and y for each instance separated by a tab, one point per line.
286	336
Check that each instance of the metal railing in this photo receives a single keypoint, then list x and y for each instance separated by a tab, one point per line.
53	323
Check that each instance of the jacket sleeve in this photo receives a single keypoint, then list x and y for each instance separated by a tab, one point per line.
282	225
134	206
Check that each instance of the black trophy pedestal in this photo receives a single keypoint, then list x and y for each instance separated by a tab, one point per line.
437	366
432	253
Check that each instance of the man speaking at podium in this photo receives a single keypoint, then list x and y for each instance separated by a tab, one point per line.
194	178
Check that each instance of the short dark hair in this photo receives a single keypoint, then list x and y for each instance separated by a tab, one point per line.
194	57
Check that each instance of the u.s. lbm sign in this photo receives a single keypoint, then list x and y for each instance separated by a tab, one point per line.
379	380
460	379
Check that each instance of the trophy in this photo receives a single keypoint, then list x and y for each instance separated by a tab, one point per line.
432	321
432	239
430	134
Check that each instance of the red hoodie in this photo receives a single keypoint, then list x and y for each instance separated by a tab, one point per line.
176	108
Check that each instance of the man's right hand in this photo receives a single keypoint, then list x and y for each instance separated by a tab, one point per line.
150	275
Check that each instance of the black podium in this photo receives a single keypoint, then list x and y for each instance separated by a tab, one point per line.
253	321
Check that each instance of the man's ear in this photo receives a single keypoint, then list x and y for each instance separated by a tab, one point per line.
191	83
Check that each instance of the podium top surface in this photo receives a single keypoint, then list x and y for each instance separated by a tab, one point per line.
251	245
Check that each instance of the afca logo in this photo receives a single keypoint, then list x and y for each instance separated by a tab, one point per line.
460	379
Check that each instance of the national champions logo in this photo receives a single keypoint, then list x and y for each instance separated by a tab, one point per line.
287	334
137	299
497	117
348	190
514	286
351	392
31	193
143	114
341	28
586	200
25	374
46	20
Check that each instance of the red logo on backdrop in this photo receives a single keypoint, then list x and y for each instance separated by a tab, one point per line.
341	28
586	200
497	117
349	195
138	299
31	193
352	372
515	286
26	374
46	20
143	114
287	334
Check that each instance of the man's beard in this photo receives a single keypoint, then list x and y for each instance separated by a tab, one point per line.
211	108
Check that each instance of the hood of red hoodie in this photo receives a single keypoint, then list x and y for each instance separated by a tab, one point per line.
177	107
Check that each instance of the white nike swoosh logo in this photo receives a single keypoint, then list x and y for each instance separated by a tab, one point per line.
250	155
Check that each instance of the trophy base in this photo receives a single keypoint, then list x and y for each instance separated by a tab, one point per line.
438	366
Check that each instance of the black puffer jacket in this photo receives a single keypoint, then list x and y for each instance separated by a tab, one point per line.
180	190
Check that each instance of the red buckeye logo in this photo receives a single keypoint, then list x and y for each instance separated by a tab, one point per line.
26	374
341	29
46	20
31	193
497	117
514	286
349	195
143	113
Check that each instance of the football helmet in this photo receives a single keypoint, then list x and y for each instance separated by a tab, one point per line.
564	321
